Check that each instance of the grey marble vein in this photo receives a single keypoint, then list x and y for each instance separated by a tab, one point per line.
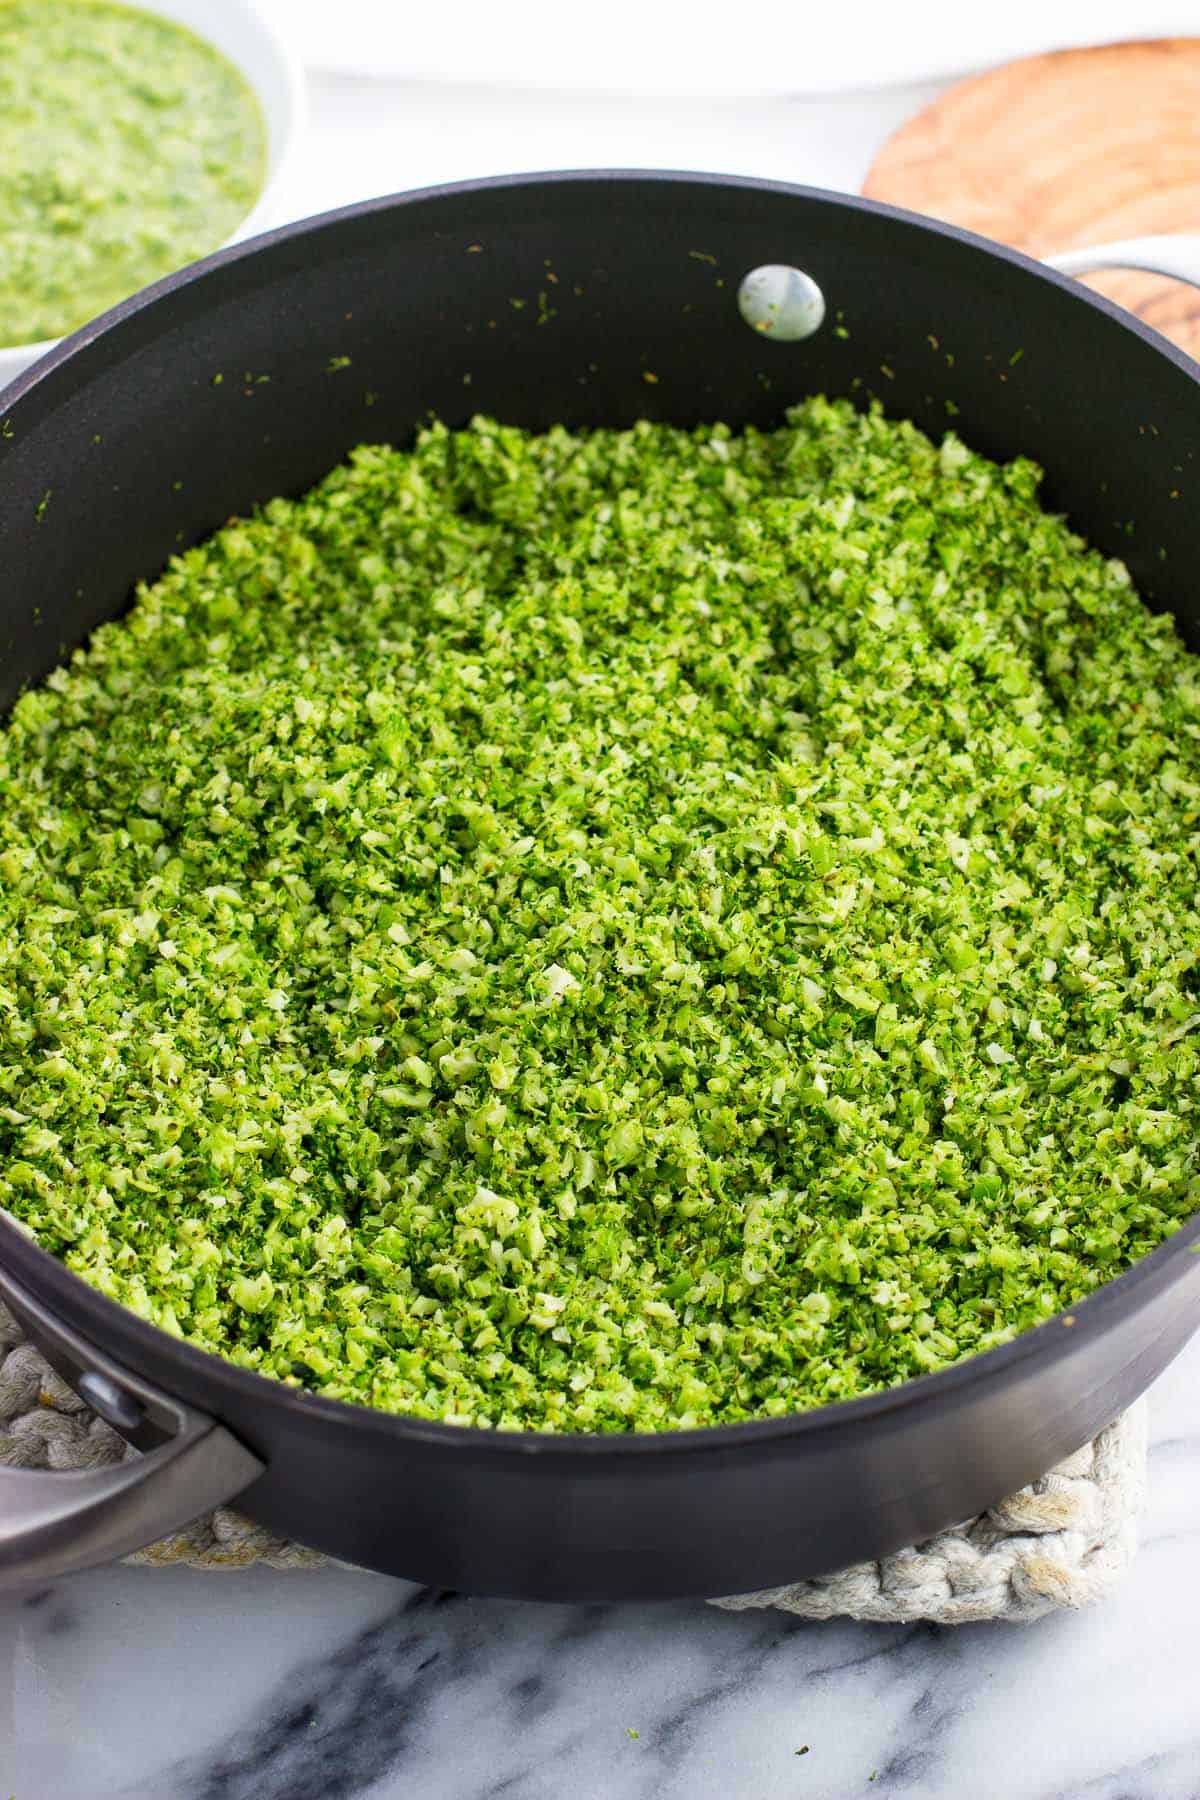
512	1678
1165	1775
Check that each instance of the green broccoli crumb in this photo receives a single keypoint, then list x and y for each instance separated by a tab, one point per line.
636	929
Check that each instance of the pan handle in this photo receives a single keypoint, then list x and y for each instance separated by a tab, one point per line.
1174	254
52	1524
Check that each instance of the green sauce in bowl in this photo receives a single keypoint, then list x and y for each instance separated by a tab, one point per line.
128	146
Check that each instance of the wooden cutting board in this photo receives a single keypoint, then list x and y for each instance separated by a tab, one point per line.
1074	148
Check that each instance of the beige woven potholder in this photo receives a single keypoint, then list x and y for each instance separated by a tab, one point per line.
1061	1542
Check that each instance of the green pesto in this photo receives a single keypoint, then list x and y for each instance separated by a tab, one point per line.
128	146
627	930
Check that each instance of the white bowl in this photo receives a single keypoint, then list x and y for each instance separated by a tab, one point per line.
246	33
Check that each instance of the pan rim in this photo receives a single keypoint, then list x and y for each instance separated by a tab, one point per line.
100	1318
247	249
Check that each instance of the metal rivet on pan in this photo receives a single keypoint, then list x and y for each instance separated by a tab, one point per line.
781	303
114	1405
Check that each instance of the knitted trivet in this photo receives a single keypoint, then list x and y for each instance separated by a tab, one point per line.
1061	1542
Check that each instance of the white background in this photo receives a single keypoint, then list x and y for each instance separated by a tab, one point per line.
411	92
708	46
373	136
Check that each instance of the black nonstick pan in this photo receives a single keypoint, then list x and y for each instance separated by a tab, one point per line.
123	446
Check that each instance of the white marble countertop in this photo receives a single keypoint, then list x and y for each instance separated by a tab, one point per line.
180	1685
174	1684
